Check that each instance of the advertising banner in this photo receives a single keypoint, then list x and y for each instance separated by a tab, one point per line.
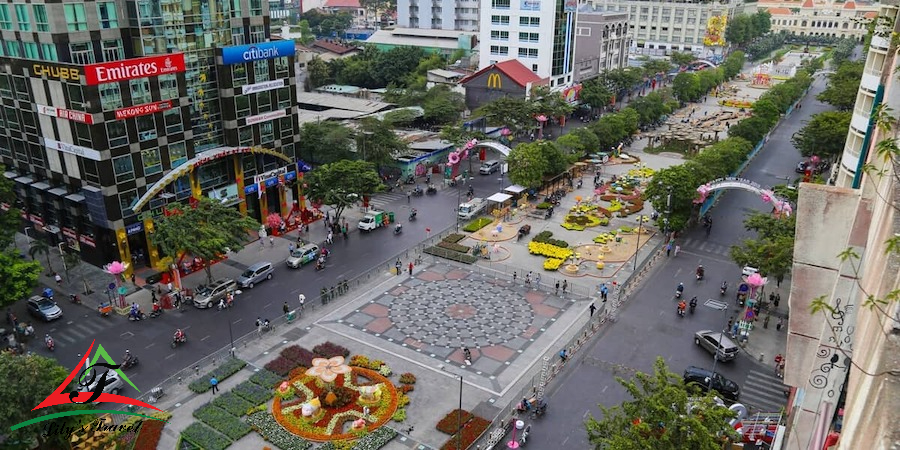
715	31
257	52
130	69
262	87
141	110
67	114
530	5
226	194
265	117
84	152
571	6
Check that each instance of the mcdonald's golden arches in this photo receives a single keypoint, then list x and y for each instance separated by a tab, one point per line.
493	81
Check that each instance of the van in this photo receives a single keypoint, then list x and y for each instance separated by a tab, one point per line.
207	296
489	167
255	274
302	255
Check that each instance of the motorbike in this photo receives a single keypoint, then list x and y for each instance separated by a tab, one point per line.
398	229
580	183
155	313
74	299
136	316
678	291
699	275
431	190
680	311
539	410
523	439
104	309
48	341
130	362
471	192
693	304
412	215
723	289
320	264
410	180
176	340
417	192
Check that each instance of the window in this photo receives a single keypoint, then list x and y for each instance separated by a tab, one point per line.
5	20
257	34
151	160
255	7
116	134
242	105
82	53
177	154
264	101
285	99
146	127
4	86
110	96
40	17
31	50
239	74
500	4
237	36
500	20
12	49
22	18
282	67
267	132
49	52
286	126
20	84
529	37
499	50
106	12
12	119
235	8
83	133
112	50
123	168
529	21
126	199
140	91
261	70
168	86
528	53
500	35
246	136
75	17
173	120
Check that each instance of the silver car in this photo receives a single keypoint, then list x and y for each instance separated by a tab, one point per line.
717	343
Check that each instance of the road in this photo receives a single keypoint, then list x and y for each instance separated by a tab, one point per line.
648	326
207	330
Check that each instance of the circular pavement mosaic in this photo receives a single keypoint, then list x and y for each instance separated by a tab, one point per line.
473	313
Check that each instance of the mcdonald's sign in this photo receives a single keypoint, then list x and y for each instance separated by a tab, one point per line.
493	81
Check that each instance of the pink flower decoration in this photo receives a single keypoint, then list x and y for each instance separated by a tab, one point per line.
453	158
465	154
766	197
541	118
328	369
115	268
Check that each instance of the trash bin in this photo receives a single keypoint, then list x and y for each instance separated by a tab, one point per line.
391	217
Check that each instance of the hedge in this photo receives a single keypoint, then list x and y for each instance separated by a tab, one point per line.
280	366
264	424
223	422
477	224
454	238
329	350
455	247
546	237
205	437
221	373
233	404
253	393
266	379
451	255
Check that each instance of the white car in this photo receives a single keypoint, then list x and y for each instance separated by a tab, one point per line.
747	271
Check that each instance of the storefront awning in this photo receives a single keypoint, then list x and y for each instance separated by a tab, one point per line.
59	192
10	175
25	180
515	189
77	198
499	197
41	185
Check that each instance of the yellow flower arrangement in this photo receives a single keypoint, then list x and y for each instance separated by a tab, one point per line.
550	251
552	264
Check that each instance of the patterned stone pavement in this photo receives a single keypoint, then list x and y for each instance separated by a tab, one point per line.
442	309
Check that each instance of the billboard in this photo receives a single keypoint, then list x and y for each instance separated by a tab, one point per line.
571	6
141	110
530	5
715	31
265	117
67	114
257	52
130	69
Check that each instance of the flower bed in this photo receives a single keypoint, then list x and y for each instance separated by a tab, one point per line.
204	437
299	355
265	379
455	247
477	224
450	424
471	431
264	424
553	263
233	404
546	237
149	434
223	422
407	378
227	369
328	423
280	365
580	222
372	441
454	238
328	350
548	250
253	393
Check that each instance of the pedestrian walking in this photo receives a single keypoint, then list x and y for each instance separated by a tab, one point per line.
778	359
537	281
677	249
669	249
777	299
779	371
290	248
528	279
169	287
285	308
780	324
515	275
766	321
557	287
730	321
565	285
408	197
302	299
410	268
398	265
133	279
604	290
467	354
592	308
57	278
330	238
272	241
214	383
306	227
262	243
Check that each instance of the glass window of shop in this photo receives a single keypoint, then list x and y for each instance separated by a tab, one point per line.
151	160
123	167
173	121
116	133
126	199
110	96
214	174
177	154
249	163
182	187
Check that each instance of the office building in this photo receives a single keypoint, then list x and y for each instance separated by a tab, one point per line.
458	15
658	27
540	34
113	109
829	19
601	43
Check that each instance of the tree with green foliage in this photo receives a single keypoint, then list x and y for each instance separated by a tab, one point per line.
208	229
621	80
318	73
529	162
753	128
686	87
27	381
9	219
663	414
376	142
341	184
442	106
515	113
653	106
682	58
595	93
326	24
842	51
306	35
19	277
652	67
743	28
766	109
733	64
40	247
325	142
578	142
709	79
824	135
772	252
418	79
843	85
612	129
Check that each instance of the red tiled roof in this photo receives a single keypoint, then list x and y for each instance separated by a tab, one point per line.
808	4
342	3
332	47
871	15
513	69
780	11
850	5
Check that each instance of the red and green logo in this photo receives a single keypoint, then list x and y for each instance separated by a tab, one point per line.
93	383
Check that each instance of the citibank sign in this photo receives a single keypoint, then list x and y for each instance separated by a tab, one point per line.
256	52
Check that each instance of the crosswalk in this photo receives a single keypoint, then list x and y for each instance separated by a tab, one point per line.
385	199
763	391
67	332
702	245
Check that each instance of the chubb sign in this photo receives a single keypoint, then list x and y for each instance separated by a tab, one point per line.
256	52
130	69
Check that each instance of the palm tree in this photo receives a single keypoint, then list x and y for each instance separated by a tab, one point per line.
37	247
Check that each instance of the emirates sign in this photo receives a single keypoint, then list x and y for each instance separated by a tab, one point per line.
130	69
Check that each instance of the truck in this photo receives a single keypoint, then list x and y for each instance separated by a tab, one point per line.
471	208
372	220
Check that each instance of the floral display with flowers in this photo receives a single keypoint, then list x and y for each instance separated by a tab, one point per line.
333	401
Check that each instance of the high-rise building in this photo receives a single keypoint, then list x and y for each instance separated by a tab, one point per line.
601	43
539	33
459	15
112	109
842	361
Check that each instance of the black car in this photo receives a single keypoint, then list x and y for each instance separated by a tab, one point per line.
701	378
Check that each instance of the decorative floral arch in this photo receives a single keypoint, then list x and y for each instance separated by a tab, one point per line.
782	207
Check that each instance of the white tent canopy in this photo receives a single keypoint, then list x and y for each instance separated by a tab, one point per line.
499	197
515	189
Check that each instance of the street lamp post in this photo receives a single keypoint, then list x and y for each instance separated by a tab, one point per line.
724	308
668	214
637	245
459	416
458	198
62	256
